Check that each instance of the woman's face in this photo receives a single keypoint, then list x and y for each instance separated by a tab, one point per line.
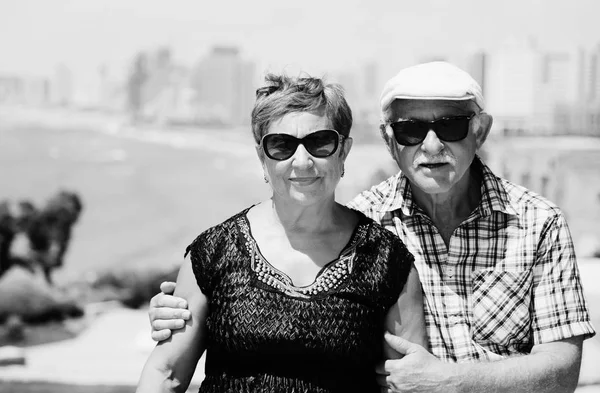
303	178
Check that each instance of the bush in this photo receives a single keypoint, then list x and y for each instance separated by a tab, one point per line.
28	296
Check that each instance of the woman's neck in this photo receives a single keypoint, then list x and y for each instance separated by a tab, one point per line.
315	218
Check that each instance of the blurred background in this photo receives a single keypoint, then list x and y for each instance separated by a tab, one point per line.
124	133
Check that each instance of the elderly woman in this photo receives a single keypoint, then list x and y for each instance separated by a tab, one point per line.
292	294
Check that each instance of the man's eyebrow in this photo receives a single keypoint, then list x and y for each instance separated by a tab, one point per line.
390	121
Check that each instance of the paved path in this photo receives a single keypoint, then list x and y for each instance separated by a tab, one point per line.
112	351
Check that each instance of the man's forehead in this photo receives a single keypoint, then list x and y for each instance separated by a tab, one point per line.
429	109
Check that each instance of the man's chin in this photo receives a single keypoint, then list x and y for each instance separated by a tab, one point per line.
431	186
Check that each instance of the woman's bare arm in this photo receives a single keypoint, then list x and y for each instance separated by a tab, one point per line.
406	318
172	363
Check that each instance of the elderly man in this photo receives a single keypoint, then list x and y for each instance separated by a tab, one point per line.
504	306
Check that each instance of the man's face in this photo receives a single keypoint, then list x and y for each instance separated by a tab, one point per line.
435	166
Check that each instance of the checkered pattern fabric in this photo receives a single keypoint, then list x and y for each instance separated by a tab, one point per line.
507	280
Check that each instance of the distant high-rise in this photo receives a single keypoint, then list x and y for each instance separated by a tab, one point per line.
225	86
534	92
510	88
371	82
62	90
477	68
589	91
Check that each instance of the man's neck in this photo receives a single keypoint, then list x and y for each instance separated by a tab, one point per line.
449	209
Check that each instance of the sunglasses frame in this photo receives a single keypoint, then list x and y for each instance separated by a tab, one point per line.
431	125
300	141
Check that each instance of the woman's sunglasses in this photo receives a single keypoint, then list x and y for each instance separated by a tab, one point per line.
319	144
448	129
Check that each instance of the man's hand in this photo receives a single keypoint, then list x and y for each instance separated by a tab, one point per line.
167	312
416	371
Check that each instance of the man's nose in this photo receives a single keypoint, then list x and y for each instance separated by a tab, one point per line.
302	158
432	144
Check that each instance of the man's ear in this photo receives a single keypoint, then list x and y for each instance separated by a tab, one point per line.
388	137
485	125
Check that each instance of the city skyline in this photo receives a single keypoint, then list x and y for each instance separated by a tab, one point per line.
319	37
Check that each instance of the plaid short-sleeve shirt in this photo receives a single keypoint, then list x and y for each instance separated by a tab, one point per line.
507	280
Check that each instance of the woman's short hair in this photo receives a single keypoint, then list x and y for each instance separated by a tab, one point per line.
283	94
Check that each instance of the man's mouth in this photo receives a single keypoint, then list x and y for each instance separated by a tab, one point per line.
433	165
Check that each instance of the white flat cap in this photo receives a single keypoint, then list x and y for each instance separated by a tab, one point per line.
437	80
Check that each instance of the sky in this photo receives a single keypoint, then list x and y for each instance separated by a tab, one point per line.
316	36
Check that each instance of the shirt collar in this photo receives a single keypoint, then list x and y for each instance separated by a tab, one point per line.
493	195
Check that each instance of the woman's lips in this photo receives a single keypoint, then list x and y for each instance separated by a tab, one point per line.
304	181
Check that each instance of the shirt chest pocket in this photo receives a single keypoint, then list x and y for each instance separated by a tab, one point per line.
501	307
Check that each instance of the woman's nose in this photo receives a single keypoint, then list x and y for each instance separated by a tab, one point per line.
432	144
302	158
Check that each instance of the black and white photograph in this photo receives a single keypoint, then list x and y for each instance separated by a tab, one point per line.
381	196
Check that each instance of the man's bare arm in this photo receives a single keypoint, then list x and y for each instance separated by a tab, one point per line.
550	367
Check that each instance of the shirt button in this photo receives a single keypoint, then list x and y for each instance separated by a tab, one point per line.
454	319
450	271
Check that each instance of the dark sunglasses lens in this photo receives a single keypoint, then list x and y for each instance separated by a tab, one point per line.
321	143
413	132
452	130
280	146
409	133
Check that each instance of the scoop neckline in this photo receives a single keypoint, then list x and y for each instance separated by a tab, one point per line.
346	252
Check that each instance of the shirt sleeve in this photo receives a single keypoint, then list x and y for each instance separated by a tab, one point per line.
365	203
559	307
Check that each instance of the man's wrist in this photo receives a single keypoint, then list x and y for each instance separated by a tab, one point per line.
454	378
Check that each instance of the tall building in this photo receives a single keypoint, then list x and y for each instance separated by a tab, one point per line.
476	67
62	90
589	90
225	86
371	86
534	92
510	88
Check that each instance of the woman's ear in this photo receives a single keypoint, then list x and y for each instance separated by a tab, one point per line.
260	153
346	147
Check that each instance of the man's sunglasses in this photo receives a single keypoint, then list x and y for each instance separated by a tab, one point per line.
448	129
319	144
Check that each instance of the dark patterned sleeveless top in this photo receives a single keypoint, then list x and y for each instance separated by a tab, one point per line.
266	335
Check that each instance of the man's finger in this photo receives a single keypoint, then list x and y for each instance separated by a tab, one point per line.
399	344
167	287
168	301
381	380
160	335
170	324
380	369
169	314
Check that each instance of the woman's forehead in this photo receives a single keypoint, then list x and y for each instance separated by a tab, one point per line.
300	123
